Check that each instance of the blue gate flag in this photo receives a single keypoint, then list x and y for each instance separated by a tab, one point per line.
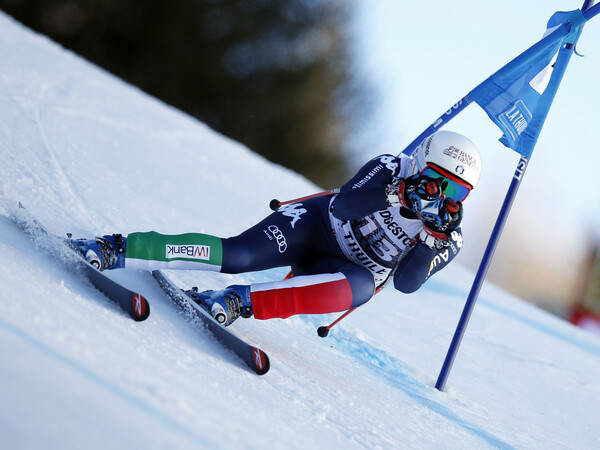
517	97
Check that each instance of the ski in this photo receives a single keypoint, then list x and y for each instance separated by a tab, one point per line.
131	302
255	358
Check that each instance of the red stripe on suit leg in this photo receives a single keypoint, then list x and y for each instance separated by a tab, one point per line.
284	301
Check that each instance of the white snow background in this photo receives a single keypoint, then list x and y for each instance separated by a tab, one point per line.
89	154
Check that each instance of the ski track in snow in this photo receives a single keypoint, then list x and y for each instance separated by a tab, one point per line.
107	385
392	370
67	190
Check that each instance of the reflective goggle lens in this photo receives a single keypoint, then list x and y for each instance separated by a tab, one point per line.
456	189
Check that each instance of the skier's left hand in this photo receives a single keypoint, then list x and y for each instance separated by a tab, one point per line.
440	218
415	192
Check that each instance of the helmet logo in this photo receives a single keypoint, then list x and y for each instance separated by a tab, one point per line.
451	151
459	170
462	157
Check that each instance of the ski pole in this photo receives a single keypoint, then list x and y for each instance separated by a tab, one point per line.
323	331
275	204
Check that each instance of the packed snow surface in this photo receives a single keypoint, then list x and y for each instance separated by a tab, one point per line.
91	155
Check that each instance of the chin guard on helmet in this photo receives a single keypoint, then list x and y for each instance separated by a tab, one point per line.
440	219
442	216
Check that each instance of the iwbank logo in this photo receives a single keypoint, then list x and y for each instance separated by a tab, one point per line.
200	252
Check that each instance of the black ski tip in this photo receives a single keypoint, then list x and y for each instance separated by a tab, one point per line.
260	361
274	204
140	307
323	331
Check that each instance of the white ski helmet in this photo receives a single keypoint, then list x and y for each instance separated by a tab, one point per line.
456	155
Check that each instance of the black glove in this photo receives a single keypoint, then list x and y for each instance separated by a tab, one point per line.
440	218
415	192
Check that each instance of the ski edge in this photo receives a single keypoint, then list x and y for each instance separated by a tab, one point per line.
255	358
131	302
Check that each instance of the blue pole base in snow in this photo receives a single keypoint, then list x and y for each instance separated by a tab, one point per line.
481	272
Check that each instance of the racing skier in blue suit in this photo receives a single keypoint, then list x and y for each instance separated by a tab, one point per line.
398	217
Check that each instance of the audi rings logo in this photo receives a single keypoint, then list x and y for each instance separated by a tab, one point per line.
279	237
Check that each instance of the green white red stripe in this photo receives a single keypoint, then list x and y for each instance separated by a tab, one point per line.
152	251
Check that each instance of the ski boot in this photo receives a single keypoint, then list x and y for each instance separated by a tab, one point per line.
226	305
106	252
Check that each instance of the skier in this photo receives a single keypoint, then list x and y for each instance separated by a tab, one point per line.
398	217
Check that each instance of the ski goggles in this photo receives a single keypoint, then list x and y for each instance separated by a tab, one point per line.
456	189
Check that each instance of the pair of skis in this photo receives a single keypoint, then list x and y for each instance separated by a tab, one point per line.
132	302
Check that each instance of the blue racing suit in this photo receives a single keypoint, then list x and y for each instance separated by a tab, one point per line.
339	247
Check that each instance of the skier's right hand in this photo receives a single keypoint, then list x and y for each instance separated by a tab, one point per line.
415	192
440	218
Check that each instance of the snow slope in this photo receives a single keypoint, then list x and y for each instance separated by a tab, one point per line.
90	155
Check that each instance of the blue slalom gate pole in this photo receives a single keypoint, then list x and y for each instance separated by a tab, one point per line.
440	122
589	11
481	273
560	67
